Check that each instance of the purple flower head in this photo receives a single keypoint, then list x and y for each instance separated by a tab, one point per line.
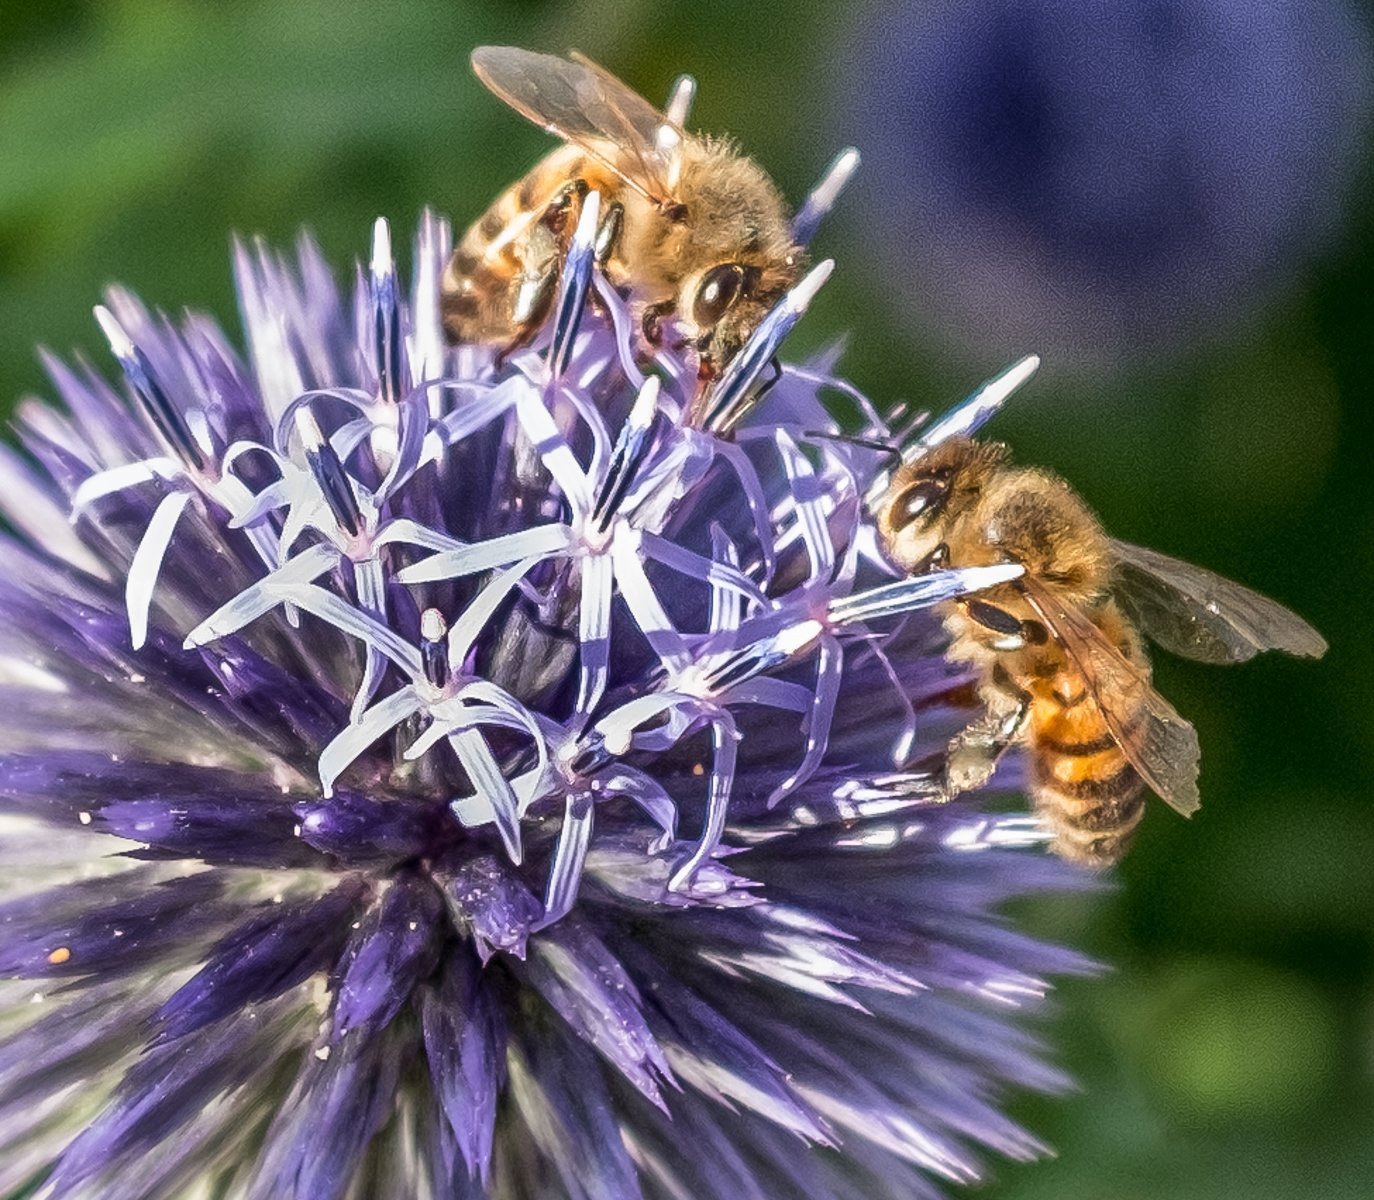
424	778
1101	180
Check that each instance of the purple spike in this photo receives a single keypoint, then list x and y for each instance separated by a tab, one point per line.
586	985
162	1091
559	1091
95	1028
395	949
109	927
625	869
465	1044
445	1172
357	828
217	815
485	898
225	830
713	1056
275	704
281	947
339	1103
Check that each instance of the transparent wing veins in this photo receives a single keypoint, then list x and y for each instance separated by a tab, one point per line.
1199	614
577	100
1159	743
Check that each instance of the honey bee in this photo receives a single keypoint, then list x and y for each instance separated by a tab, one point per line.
1059	652
694	231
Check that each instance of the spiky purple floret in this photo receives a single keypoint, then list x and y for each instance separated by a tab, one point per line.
425	778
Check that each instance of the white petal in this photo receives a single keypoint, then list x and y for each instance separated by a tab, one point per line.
643	603
695	566
412	533
810	512
147	564
725	748
539	542
490	785
829	665
263	596
353	739
464	631
594	630
350	620
565	874
553	449
118	479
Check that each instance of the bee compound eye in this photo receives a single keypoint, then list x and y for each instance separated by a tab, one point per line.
720	288
922	501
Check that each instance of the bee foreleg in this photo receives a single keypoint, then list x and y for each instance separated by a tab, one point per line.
540	259
608	233
976	749
652	322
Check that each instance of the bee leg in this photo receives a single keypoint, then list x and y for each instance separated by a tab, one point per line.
607	239
608	234
651	324
976	749
540	260
533	299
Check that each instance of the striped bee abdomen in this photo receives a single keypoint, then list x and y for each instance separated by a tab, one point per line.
1084	787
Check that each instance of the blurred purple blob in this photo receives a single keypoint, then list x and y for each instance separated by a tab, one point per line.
1099	181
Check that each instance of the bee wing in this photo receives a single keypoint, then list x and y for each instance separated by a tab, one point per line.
1161	745
1198	614
580	102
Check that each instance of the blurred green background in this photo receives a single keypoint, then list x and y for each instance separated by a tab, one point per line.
1230	1052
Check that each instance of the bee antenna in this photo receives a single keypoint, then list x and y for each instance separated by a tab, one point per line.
884	448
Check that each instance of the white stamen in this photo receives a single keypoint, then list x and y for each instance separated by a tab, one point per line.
974	412
646	404
120	343
680	100
919	591
382	261
823	196
433	627
799	298
312	438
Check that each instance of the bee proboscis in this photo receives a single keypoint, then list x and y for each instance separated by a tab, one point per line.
1059	654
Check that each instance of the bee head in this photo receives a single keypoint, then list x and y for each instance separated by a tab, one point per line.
928	495
724	304
733	254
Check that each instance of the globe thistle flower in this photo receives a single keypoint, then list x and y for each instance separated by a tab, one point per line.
428	778
1103	181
